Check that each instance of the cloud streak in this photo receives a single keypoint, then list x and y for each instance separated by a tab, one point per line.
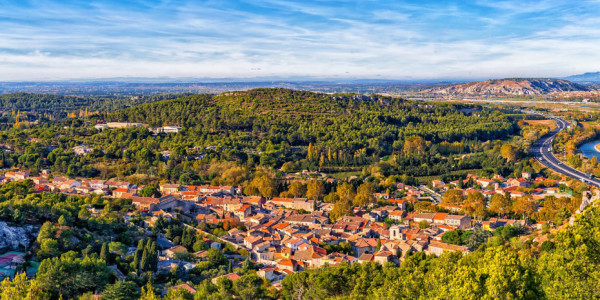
53	40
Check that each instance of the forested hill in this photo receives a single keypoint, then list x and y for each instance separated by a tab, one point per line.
59	106
272	128
348	122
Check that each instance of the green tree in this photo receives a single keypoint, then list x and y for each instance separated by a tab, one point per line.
118	247
62	221
216	257
148	293
104	253
71	276
145	260
200	245
178	294
250	287
121	290
47	231
137	256
48	248
20	288
452	237
571	269
150	191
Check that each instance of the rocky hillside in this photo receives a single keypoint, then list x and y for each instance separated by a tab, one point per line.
15	238
510	87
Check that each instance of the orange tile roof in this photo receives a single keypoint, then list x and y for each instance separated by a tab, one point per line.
440	216
186	287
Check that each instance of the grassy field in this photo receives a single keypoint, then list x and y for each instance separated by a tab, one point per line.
427	179
549	123
590	124
344	175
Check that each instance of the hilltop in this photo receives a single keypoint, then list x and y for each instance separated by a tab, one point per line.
510	87
351	123
592	77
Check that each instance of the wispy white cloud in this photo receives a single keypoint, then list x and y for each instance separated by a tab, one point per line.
57	40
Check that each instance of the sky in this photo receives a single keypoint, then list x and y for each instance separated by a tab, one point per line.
391	39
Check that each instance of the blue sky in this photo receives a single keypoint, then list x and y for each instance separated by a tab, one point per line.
48	40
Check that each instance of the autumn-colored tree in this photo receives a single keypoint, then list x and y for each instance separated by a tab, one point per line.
523	206
453	196
315	189
508	152
340	208
425	207
297	189
311	155
475	205
346	192
321	161
263	185
414	145
500	204
364	194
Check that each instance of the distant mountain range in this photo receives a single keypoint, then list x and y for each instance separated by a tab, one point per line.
509	86
131	86
590	77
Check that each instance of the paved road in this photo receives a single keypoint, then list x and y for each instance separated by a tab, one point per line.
542	150
436	197
236	246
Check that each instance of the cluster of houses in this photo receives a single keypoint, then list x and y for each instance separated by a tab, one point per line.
48	183
538	188
290	234
116	125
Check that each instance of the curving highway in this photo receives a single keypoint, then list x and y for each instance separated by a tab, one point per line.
542	150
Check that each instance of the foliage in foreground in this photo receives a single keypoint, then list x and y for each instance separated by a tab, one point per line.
569	270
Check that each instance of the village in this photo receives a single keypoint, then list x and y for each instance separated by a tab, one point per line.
286	235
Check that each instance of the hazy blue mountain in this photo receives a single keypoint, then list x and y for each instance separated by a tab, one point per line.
585	77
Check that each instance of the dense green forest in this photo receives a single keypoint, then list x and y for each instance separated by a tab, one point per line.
297	118
27	107
273	128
